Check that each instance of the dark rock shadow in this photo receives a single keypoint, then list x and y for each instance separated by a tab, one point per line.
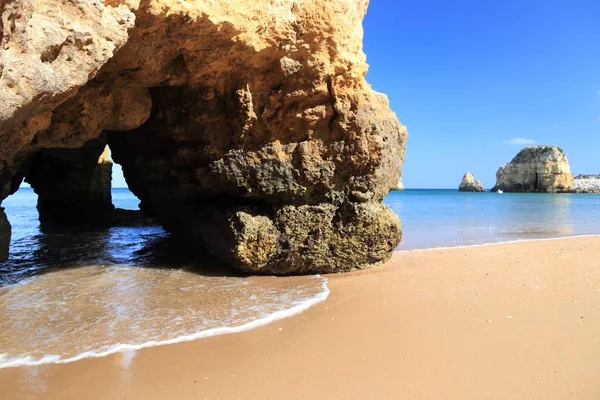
54	249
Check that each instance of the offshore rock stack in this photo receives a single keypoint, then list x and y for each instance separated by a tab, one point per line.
543	169
470	184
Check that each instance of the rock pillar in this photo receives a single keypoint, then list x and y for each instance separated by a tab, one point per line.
73	185
4	235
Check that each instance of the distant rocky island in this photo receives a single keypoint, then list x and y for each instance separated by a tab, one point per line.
400	185
470	184
586	184
543	169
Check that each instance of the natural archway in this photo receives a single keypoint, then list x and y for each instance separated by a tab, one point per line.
73	185
250	134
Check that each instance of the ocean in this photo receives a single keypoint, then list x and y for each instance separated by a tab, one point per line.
449	218
70	295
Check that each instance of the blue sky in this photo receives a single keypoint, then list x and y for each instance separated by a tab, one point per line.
118	181
468	78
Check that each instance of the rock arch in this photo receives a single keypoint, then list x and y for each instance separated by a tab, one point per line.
246	128
73	185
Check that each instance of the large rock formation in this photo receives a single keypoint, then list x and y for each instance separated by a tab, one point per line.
469	184
245	127
586	184
536	169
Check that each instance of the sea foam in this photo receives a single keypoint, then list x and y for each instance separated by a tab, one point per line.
87	312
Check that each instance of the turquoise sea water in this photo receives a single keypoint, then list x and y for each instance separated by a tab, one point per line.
34	251
430	218
448	218
126	288
68	295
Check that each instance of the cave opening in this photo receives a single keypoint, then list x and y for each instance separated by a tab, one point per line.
73	185
77	189
67	209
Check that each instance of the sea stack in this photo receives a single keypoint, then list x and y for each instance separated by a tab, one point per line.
469	184
400	185
542	169
246	127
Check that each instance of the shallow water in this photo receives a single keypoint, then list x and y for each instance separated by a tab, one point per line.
82	312
448	218
70	295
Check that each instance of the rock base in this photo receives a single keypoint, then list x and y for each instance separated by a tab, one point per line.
73	185
304	239
5	233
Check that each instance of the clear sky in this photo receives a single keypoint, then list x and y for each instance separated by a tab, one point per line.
470	77
476	80
118	181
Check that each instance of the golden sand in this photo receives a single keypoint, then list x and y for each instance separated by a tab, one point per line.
510	321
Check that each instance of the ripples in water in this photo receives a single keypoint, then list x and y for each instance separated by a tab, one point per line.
71	295
70	314
448	218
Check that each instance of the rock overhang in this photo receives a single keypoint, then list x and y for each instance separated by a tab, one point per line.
253	115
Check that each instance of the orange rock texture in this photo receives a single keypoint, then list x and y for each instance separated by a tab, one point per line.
246	127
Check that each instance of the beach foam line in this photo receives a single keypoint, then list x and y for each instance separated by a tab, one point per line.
27	361
499	243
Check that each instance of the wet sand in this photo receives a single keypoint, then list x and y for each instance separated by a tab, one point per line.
510	321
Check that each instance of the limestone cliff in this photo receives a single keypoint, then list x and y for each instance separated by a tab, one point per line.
536	169
400	185
246	127
469	184
586	184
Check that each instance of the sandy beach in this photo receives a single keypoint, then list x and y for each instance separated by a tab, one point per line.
509	321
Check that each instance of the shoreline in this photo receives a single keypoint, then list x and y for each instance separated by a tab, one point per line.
590	235
226	330
517	320
279	315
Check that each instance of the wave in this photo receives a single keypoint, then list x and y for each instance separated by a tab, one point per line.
282	301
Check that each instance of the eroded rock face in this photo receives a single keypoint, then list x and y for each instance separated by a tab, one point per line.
303	239
245	127
536	169
5	232
469	184
586	184
73	185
